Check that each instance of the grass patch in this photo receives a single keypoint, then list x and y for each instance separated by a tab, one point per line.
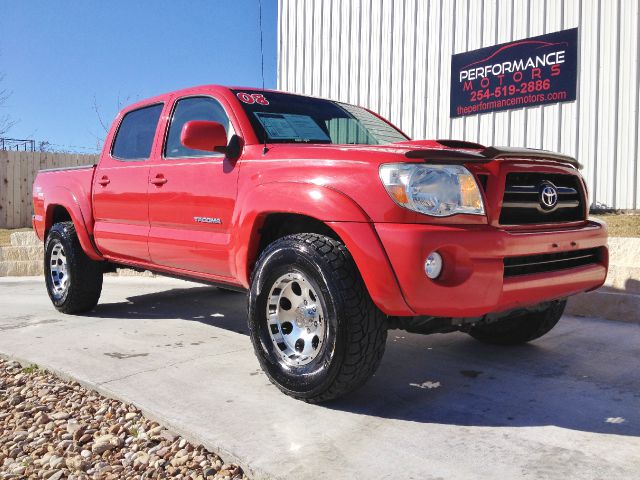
621	225
31	369
5	235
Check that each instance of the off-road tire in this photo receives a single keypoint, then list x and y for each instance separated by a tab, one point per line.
85	275
356	329
521	328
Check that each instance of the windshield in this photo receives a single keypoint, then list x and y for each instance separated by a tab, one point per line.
287	118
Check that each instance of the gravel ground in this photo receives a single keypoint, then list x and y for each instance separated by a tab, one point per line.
53	429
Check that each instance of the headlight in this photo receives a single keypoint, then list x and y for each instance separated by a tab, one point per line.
437	190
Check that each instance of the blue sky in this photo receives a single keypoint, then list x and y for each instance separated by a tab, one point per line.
57	56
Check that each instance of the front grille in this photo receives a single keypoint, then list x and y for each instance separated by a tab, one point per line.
521	203
550	262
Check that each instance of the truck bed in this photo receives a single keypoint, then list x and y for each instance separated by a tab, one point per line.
63	186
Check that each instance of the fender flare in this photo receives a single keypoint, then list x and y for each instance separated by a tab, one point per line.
63	197
324	204
319	202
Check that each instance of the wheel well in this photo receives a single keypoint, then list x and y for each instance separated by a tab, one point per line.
58	214
278	225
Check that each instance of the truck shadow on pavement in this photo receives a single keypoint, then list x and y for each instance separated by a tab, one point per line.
582	376
569	379
209	305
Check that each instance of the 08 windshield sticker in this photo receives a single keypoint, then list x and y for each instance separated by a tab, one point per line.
252	98
281	126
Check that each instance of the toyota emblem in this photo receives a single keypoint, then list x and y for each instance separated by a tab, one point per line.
548	196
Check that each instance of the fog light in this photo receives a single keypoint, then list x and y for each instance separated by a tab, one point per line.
433	265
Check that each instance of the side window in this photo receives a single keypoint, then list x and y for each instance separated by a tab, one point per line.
135	134
193	108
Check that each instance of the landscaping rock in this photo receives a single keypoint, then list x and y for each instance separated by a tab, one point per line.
54	429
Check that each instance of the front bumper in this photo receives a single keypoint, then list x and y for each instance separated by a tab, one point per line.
472	283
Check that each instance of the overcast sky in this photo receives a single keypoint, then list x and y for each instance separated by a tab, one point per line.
58	55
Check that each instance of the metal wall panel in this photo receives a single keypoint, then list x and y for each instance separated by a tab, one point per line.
394	56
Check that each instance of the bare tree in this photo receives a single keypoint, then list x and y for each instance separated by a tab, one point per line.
6	122
104	126
44	146
96	109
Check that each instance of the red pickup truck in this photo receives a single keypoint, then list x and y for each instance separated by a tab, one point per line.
336	223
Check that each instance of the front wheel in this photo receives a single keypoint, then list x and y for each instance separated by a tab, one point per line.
315	330
74	281
521	328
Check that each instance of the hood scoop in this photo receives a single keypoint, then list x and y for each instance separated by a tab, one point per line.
460	144
459	151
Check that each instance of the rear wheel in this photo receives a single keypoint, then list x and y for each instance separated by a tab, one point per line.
315	330
73	280
518	329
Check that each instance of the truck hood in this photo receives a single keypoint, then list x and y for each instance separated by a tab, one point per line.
367	153
438	151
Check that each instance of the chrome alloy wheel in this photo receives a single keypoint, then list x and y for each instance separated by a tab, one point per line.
58	270
297	324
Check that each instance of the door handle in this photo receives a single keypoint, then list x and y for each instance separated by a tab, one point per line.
159	180
104	181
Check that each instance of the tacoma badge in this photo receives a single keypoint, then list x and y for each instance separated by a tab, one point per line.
207	220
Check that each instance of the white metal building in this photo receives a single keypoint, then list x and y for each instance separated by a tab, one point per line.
394	56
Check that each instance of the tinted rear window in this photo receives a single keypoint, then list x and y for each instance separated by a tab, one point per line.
135	134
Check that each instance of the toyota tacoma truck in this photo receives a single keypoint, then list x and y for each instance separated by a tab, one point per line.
335	222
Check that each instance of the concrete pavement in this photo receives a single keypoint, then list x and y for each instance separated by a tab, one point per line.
443	406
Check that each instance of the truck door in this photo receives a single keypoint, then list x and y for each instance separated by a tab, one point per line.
120	187
192	194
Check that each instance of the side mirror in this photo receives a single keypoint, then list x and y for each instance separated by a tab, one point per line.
204	135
